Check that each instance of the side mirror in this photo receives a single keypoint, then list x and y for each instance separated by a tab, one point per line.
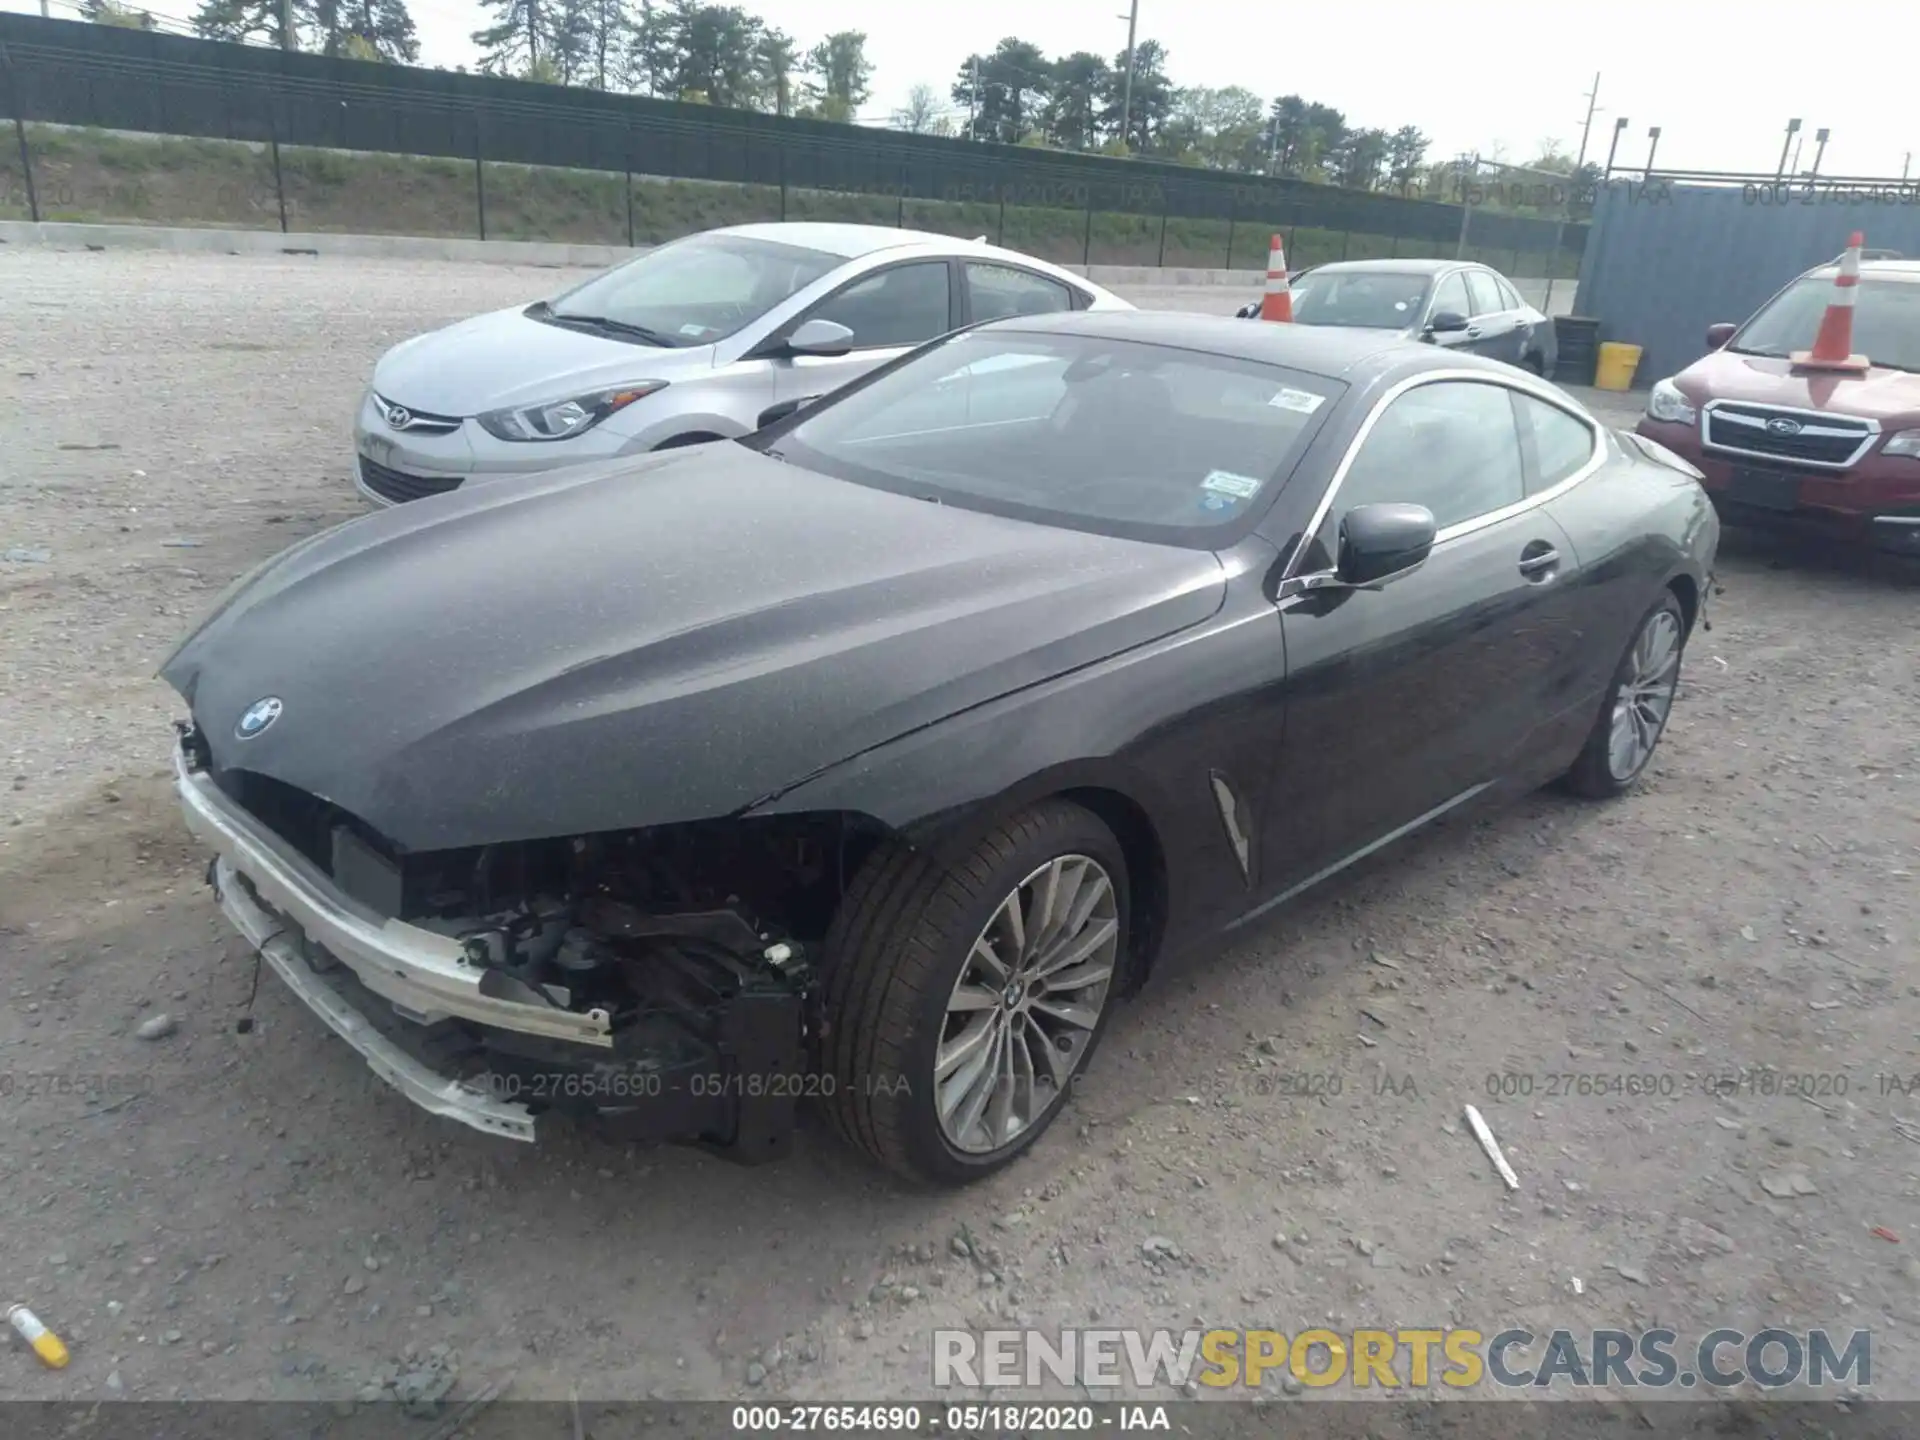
1719	335
1446	322
820	337
783	410
1248	311
1379	542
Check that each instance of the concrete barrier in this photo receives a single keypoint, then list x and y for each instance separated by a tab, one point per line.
62	235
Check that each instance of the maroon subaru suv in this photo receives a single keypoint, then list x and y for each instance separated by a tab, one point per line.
1831	450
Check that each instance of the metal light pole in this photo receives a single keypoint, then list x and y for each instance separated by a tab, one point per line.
1469	170
1126	91
973	100
1619	128
1579	163
1786	146
1819	149
1593	97
1653	144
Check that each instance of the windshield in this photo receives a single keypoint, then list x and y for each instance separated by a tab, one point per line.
1141	441
1367	299
694	291
1886	322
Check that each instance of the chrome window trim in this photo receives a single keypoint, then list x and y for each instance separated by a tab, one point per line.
1440	277
1824	425
1479	522
1493	279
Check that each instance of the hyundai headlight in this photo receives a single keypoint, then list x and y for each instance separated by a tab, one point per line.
564	419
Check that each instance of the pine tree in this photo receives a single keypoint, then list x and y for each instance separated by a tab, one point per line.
651	49
121	17
383	29
258	20
519	38
592	42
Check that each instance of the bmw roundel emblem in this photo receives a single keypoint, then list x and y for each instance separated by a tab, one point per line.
258	716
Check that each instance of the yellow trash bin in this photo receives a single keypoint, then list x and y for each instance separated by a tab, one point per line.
1616	367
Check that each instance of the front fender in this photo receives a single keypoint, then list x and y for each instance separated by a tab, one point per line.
1139	738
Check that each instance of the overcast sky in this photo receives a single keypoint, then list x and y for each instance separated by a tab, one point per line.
1720	79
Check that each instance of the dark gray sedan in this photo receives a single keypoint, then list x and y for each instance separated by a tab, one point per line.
1450	303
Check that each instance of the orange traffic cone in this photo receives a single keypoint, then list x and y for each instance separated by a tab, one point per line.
1833	346
1277	303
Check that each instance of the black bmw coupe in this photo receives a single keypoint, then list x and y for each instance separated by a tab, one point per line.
870	761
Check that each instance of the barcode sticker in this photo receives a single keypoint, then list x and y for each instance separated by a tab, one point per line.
1225	482
1301	402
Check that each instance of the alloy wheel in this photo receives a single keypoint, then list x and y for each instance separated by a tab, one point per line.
1027	1002
1645	697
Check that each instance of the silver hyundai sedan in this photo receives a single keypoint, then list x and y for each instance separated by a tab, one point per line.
696	340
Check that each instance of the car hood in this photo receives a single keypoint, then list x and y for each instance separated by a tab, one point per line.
647	641
505	358
1889	396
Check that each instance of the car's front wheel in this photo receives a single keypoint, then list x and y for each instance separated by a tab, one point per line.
963	1002
1634	716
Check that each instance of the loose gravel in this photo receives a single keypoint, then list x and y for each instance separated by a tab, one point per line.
1273	1135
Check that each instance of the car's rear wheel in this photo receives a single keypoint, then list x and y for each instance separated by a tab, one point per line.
963	1002
1535	362
1634	716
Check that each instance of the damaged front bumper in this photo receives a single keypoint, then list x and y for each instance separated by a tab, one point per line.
442	1095
414	1005
426	976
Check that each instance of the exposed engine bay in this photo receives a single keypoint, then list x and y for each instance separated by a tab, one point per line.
696	946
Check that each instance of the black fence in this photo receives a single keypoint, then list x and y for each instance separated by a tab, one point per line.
68	73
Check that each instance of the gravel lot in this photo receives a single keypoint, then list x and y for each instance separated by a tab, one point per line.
212	1214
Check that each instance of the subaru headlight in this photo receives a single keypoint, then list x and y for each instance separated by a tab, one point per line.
1665	402
1904	442
564	419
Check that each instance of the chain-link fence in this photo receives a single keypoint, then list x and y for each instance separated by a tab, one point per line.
122	125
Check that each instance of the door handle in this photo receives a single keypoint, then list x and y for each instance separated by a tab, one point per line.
1539	563
1473	332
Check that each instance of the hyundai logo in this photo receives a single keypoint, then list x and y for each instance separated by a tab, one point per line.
399	417
1780	425
258	716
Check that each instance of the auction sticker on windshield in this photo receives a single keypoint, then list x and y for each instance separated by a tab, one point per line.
1225	482
1301	402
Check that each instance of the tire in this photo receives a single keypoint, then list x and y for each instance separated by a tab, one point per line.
680	442
1605	769
1535	364
905	937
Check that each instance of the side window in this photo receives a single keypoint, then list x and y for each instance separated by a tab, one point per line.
1509	295
1452	295
1451	446
1561	444
1485	293
1000	290
901	306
